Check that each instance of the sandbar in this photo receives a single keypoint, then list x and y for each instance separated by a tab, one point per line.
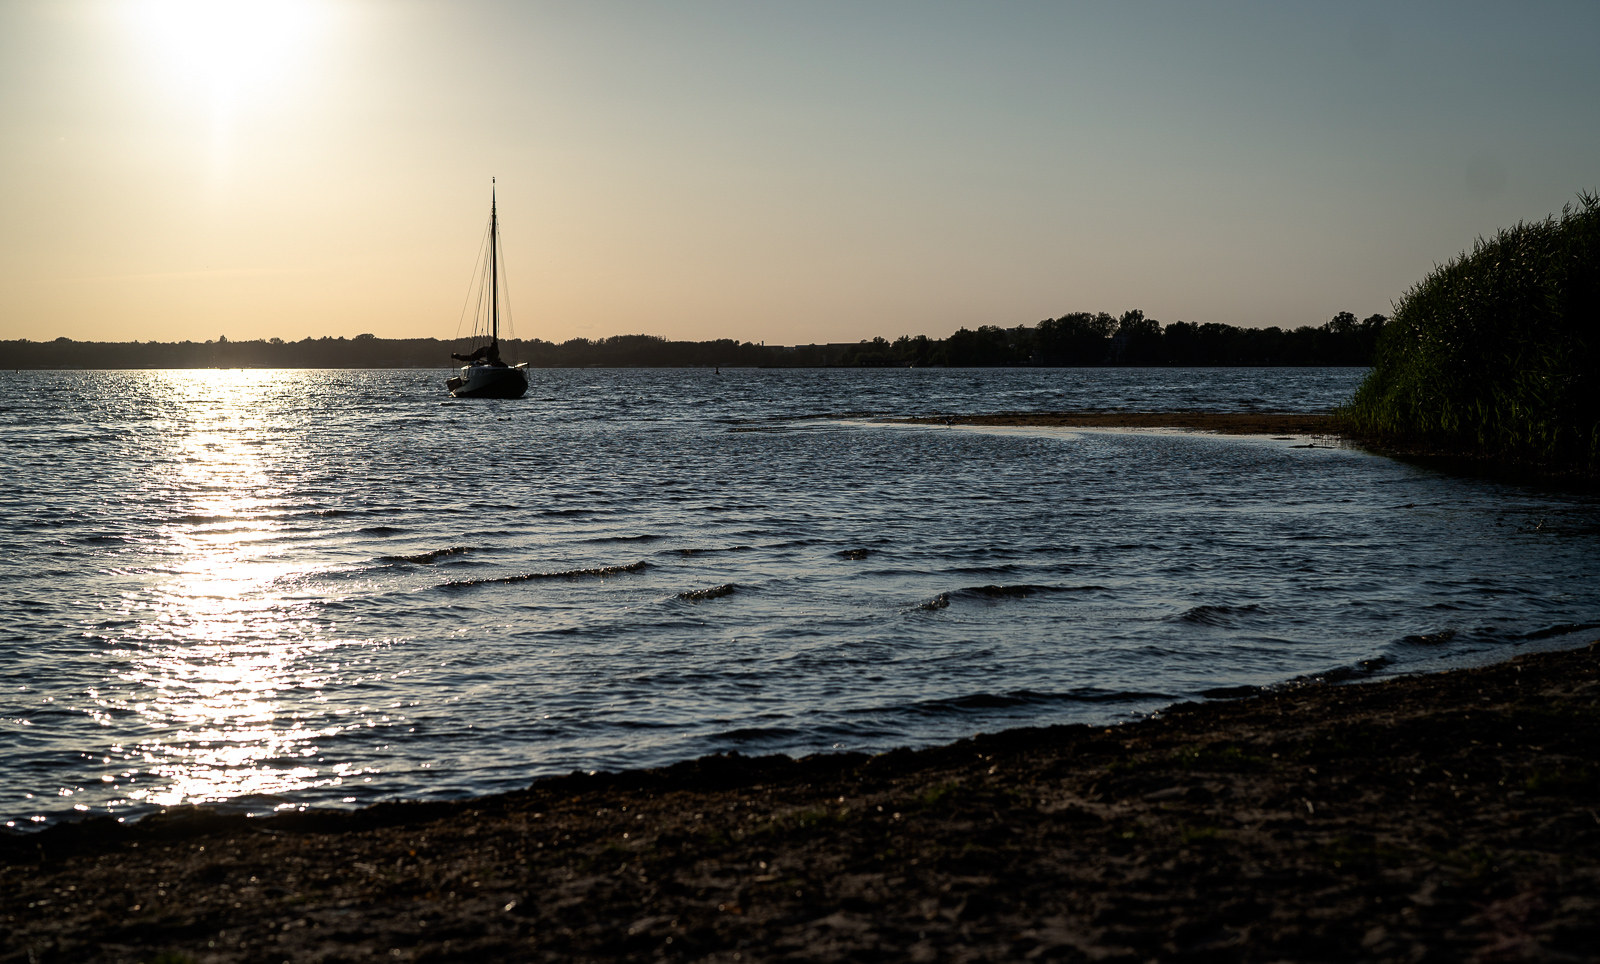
1226	423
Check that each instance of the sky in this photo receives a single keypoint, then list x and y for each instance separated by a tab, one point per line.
786	172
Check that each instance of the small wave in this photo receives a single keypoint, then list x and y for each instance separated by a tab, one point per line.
716	592
566	512
1343	674
598	572
987	570
686	553
1003	592
1230	692
992	593
634	725
1562	629
105	540
1429	639
423	558
791	544
648	537
202	520
1208	615
757	734
381	531
853	553
1017	698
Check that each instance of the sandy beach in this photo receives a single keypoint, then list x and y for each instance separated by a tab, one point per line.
1450	816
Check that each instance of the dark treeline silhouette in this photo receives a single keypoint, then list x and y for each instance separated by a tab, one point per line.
1083	339
1077	339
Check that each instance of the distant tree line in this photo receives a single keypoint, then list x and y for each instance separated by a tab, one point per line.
1087	339
1077	339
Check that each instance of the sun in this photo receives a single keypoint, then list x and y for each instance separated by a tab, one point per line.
230	50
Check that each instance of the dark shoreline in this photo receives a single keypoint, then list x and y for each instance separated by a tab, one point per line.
1442	816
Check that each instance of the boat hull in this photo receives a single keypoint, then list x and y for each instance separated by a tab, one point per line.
489	381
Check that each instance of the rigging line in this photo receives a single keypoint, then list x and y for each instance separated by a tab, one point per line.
505	288
475	284
478	323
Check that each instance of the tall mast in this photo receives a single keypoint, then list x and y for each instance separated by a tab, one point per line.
494	270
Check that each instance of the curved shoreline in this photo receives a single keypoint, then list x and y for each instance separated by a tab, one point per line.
1226	423
1325	425
1447	815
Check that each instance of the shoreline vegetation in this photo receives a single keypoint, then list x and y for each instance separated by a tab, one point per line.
1078	339
1445	816
1496	355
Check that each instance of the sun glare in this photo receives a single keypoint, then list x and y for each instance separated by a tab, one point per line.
221	634
229	49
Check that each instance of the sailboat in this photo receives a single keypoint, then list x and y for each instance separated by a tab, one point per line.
485	375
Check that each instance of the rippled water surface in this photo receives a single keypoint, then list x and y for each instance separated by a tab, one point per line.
318	588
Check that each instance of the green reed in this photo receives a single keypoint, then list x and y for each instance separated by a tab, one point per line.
1497	354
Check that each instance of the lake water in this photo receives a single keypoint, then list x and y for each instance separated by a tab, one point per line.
281	589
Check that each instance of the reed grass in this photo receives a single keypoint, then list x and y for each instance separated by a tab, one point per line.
1497	353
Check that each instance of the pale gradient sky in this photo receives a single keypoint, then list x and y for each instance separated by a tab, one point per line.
783	172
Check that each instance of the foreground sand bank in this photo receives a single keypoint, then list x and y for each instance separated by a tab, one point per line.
1448	816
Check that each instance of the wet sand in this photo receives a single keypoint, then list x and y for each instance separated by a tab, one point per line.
1226	423
1450	816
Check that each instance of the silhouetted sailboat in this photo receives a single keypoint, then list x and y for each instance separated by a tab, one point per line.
485	375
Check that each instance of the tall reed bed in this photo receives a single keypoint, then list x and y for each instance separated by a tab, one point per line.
1497	354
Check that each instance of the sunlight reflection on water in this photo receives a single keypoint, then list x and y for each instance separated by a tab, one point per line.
217	650
280	589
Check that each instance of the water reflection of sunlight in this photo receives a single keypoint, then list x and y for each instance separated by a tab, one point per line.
226	655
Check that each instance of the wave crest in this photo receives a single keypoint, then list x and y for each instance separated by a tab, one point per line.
423	558
715	592
599	572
